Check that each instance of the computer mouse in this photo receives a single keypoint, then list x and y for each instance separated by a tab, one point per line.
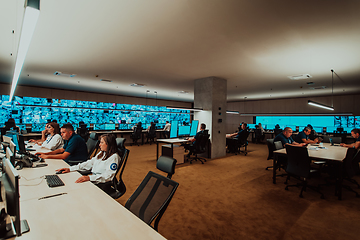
60	172
29	146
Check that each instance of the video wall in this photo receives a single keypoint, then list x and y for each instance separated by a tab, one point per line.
317	122
38	111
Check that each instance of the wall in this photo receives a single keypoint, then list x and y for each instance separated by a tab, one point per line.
342	104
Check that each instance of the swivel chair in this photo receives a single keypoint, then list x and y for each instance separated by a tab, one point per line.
271	148
152	197
92	144
258	135
298	165
151	134
242	142
136	135
118	187
198	147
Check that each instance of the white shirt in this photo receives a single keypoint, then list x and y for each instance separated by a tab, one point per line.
102	170
53	142
167	127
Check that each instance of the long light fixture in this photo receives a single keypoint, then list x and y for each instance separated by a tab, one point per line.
32	12
320	105
295	114
232	112
188	109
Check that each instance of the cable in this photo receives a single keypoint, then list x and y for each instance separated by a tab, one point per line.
42	179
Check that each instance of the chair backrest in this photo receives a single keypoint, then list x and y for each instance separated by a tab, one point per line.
92	143
277	131
120	143
257	133
137	132
335	139
200	144
350	161
166	164
271	148
326	139
152	131
243	139
298	162
151	198
278	145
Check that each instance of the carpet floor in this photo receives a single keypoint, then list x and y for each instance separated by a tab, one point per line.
234	198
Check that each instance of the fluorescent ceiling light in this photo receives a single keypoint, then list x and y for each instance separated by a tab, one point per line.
31	16
296	114
320	105
189	109
300	77
232	112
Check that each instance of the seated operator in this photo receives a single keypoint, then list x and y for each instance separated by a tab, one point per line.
355	133
232	139
303	137
193	140
73	149
286	139
103	166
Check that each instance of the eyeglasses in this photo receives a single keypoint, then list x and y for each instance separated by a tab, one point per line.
48	126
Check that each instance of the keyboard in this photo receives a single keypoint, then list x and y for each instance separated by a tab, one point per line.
54	181
34	157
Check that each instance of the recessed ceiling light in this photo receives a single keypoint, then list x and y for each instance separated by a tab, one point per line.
57	73
183	92
137	85
317	88
300	77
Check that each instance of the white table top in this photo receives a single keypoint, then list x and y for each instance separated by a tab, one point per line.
83	212
172	140
336	153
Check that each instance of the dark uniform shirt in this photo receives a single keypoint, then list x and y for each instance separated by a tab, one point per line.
300	137
284	140
76	146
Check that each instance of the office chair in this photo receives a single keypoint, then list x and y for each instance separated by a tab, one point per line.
167	165
92	144
151	198
277	131
83	132
151	134
258	135
298	165
271	148
118	187
242	142
136	135
198	147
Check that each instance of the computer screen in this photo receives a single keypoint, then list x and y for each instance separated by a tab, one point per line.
330	129
184	131
194	127
109	126
174	129
318	129
251	126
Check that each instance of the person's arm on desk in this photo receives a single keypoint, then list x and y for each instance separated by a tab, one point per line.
57	154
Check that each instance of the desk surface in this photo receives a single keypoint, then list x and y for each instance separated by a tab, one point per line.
84	212
335	153
172	140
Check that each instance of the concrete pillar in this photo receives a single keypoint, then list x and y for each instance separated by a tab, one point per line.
210	94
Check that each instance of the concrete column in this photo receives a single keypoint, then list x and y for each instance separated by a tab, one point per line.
210	94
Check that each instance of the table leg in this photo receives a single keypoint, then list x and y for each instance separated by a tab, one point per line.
340	180
157	150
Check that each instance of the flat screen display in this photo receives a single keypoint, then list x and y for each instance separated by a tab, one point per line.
174	128
184	131
194	127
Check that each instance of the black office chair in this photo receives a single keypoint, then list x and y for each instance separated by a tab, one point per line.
242	143
258	135
277	131
151	134
118	187
198	147
136	135
152	197
83	132
271	148
298	165
92	144
167	165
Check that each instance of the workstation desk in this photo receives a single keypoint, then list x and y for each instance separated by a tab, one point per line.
74	211
170	141
327	153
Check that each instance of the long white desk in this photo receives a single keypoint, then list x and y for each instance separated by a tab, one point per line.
170	141
328	153
83	212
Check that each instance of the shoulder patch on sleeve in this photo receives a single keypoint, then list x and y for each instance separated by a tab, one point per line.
113	166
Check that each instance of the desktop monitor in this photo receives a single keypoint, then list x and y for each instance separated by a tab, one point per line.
11	198
318	129
194	127
330	129
109	126
174	129
251	126
184	131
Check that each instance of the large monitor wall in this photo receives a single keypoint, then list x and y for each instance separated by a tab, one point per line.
38	111
318	122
